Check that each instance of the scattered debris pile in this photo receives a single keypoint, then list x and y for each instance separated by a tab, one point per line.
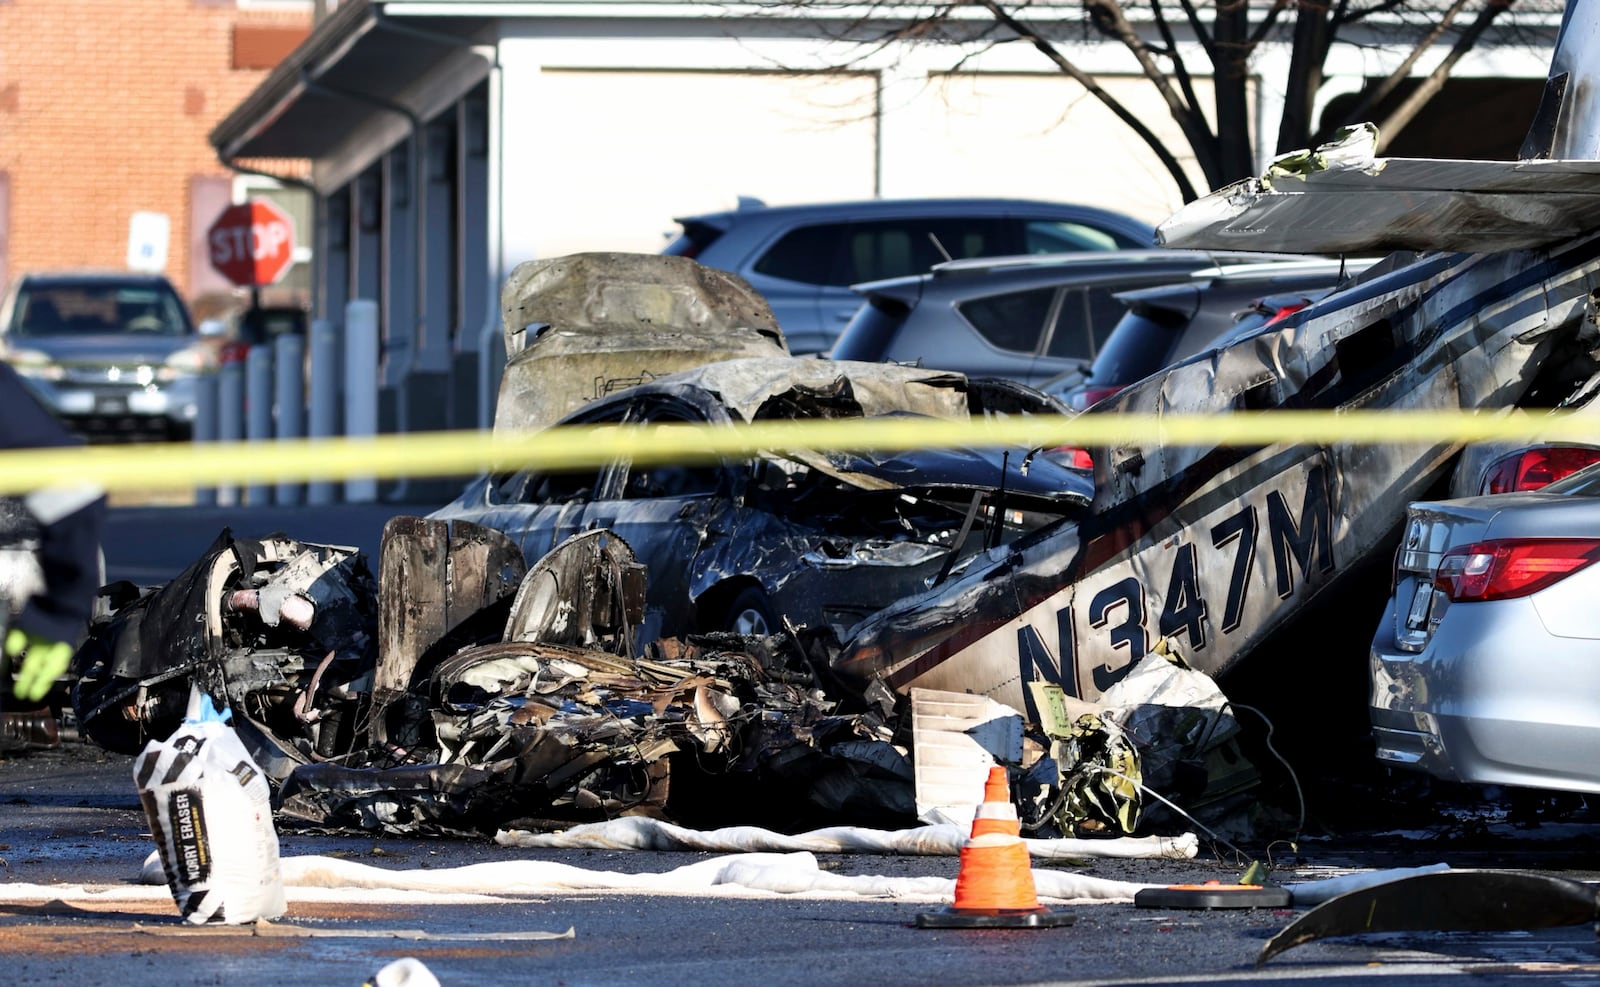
458	693
396	708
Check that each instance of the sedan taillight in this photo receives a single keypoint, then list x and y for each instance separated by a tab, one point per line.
1531	469
1500	570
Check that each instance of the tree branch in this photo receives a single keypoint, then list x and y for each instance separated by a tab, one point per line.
1268	21
1201	33
1179	68
1188	116
1403	114
1185	187
1377	94
1348	16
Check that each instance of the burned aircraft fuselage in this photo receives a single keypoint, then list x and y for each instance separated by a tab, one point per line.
1217	546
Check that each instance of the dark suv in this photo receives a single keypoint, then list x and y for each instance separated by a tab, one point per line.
1173	322
804	258
1023	318
114	355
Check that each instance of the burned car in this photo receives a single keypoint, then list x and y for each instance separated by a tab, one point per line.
820	538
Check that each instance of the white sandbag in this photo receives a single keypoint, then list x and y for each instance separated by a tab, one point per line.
210	811
641	833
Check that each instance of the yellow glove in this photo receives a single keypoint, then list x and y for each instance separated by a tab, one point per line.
43	662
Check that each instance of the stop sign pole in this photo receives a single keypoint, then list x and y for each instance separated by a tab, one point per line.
252	244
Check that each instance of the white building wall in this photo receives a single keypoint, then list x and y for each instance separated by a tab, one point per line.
609	134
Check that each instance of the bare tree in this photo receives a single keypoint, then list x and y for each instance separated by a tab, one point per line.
1230	33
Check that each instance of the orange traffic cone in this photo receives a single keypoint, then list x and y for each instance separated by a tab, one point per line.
995	813
994	887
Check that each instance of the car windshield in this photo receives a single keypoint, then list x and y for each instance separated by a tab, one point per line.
87	307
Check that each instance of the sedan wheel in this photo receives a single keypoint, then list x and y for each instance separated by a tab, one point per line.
751	614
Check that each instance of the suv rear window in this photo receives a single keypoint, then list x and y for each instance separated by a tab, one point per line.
805	254
868	334
849	253
97	307
1136	348
694	239
1086	318
1012	321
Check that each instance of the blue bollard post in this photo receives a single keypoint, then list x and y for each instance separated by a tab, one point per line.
323	420
230	418
258	411
361	388
205	428
288	360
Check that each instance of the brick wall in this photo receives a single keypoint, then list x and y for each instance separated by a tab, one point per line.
104	110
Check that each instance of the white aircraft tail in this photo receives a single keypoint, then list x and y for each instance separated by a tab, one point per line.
1567	125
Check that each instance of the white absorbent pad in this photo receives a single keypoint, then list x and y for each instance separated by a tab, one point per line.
746	874
639	833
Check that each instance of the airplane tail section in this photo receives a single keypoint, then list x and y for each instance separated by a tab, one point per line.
1342	198
1567	125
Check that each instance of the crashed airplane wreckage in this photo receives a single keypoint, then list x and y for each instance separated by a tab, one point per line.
460	689
1207	550
1217	549
507	696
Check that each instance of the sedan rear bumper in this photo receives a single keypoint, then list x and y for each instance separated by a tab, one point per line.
1492	699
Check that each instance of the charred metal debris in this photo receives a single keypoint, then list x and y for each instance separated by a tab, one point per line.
490	695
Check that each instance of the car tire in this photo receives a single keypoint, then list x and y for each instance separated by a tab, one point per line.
94	706
750	612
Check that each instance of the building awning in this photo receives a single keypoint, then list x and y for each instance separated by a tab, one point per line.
355	63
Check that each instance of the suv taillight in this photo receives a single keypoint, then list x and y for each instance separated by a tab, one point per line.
1512	567
1284	313
1531	469
1091	395
1071	457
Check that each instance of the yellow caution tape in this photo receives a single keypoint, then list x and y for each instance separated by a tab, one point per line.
465	453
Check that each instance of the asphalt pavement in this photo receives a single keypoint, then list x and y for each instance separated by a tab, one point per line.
73	838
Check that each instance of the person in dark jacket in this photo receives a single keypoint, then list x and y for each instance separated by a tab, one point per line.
61	524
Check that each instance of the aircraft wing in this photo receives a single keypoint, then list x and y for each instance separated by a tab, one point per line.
1341	199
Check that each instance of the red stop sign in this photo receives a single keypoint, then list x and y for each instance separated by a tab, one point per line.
252	244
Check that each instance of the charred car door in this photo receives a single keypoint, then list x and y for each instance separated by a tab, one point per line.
667	513
537	509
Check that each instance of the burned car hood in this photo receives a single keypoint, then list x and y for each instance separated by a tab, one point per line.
797	387
801	387
936	471
581	326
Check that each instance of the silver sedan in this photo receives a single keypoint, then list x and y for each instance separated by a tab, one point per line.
1486	666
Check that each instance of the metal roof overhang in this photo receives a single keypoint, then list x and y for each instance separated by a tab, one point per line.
356	60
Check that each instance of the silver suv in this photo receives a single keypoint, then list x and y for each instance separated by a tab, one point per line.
1027	319
113	355
804	258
